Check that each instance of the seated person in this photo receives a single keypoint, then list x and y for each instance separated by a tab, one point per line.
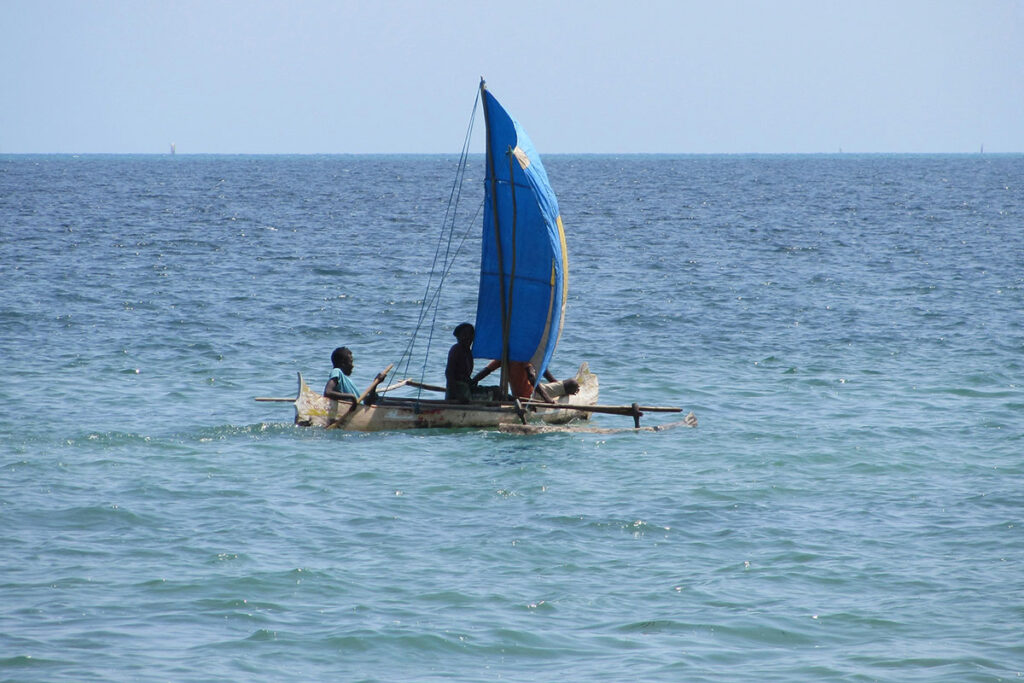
339	386
458	372
567	387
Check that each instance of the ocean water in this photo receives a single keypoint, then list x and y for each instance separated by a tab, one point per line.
849	331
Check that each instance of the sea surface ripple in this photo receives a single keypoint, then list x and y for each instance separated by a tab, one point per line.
848	330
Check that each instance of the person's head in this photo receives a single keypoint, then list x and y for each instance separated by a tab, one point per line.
465	334
571	387
342	358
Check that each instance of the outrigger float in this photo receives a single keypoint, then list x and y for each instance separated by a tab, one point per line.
524	274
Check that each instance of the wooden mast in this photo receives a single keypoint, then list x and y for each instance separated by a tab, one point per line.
506	326
497	241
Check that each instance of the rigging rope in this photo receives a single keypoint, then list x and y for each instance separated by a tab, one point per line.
447	229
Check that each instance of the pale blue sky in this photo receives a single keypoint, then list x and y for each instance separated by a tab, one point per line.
320	76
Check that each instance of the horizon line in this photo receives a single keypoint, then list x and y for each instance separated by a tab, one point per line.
546	154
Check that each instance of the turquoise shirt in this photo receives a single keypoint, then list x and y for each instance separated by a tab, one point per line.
345	385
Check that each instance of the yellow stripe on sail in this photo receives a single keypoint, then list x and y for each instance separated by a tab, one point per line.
539	353
565	261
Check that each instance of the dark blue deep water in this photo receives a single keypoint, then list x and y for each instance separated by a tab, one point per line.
849	330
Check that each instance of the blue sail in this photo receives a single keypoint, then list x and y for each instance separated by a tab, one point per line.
524	266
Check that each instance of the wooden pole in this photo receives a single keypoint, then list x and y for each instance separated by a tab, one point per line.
376	382
611	410
397	385
428	387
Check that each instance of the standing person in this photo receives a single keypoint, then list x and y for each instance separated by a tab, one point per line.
339	386
459	370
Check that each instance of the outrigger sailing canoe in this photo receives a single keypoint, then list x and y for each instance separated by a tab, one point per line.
385	413
524	272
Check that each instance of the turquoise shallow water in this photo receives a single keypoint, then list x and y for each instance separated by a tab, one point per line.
847	329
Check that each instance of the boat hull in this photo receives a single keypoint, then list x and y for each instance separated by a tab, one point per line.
314	410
